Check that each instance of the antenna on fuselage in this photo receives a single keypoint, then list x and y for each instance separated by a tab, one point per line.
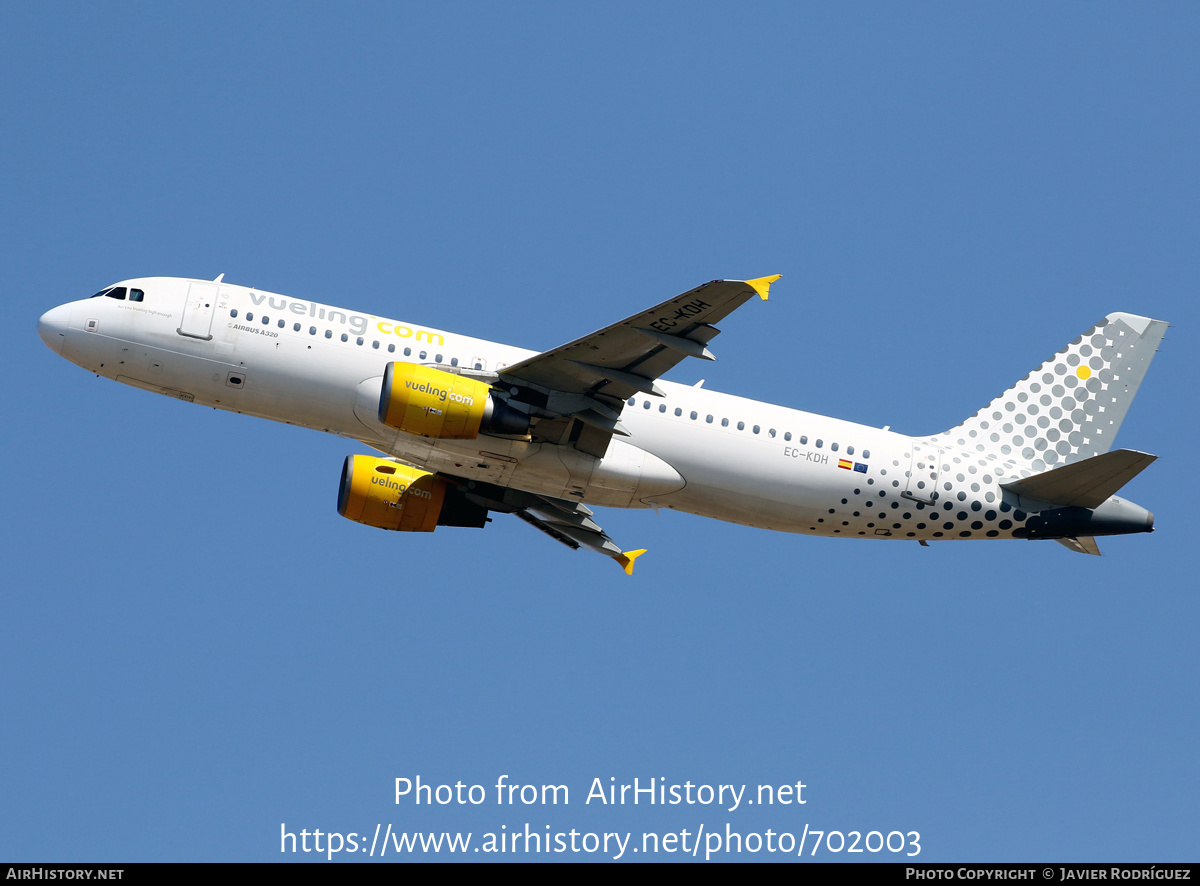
220	277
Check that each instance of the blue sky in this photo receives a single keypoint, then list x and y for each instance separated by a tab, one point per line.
195	648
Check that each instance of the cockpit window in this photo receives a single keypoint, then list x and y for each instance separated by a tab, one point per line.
136	295
116	292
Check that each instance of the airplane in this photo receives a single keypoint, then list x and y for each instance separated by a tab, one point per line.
468	427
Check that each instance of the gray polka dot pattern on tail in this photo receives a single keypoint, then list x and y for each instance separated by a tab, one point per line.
1069	408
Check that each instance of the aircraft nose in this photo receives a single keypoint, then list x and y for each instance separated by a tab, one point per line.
52	327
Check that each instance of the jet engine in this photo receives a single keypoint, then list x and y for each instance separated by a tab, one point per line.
389	495
432	403
385	494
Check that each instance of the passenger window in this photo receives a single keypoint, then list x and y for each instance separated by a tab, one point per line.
408	352
295	327
741	426
771	433
833	446
391	349
136	295
804	440
266	320
233	313
849	450
662	407
724	422
424	354
375	345
819	444
756	429
249	316
678	411
453	361
646	404
866	453
708	418
437	359
693	416
633	401
329	333
345	337
787	435
312	330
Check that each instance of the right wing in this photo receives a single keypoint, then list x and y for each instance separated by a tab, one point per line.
567	522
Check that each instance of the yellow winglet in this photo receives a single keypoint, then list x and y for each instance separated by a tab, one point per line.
626	560
762	285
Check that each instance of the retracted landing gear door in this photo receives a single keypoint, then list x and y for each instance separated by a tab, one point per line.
198	311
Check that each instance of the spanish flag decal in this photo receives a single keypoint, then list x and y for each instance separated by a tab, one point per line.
848	465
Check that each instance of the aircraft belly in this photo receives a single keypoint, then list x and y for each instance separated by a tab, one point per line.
757	469
754	481
542	472
366	410
628	476
264	382
741	508
153	369
624	478
485	459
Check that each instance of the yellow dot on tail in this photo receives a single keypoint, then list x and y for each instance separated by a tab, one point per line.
1083	372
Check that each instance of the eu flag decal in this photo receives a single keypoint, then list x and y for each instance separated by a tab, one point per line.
860	467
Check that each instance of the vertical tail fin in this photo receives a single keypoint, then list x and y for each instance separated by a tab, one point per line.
1071	407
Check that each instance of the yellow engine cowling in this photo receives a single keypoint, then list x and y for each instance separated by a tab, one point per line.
431	403
389	495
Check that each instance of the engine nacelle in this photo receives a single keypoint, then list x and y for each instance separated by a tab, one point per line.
431	403
389	495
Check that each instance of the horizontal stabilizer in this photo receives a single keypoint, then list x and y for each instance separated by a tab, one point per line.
1084	544
1085	484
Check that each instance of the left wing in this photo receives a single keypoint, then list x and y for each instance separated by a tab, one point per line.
576	391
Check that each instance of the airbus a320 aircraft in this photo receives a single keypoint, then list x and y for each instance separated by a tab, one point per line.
470	427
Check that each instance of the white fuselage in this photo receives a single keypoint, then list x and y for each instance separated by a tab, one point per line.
693	450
